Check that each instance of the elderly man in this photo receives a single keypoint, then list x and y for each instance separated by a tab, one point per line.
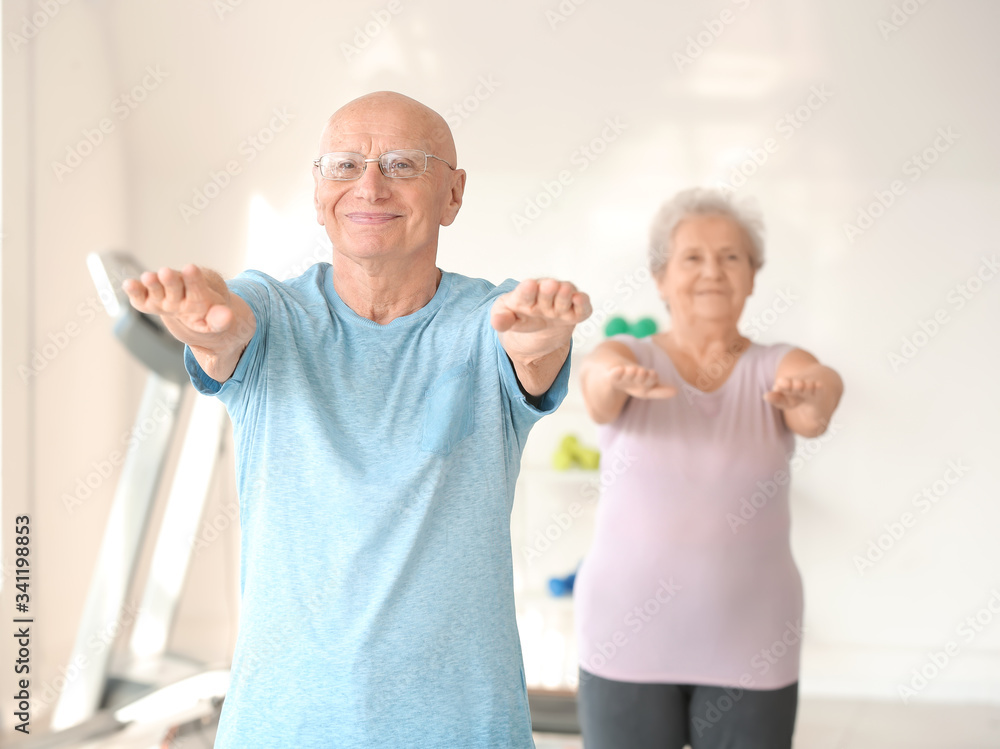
380	406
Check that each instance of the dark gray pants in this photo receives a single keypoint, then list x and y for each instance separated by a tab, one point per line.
625	715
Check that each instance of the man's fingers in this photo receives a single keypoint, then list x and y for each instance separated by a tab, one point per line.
154	289
136	293
502	318
526	293
563	302
196	284
173	286
219	318
549	298
581	306
545	298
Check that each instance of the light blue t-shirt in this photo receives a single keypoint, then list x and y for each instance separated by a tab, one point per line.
376	468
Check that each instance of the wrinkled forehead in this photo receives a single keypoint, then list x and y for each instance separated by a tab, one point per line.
372	127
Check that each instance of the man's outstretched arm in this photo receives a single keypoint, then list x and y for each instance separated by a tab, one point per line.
535	324
197	307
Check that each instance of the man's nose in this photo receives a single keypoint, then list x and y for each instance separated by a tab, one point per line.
373	185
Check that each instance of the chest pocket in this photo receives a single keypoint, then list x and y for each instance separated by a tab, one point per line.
449	412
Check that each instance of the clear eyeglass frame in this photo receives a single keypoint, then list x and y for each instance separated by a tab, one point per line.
402	163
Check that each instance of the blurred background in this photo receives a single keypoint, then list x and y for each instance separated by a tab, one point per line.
183	132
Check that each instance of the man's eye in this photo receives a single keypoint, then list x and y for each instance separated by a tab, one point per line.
401	165
346	165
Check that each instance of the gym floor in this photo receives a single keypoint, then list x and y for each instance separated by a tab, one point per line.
850	724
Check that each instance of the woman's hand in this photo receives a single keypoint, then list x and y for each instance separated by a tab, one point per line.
792	392
611	375
806	392
638	382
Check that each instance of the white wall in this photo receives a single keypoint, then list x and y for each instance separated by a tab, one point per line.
552	88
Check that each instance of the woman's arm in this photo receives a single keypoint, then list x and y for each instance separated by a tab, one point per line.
806	392
610	375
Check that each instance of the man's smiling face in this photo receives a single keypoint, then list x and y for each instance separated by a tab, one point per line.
376	217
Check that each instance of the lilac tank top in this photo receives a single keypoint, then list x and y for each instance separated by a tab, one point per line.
690	577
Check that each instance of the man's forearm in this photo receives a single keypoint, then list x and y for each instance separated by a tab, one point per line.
537	375
220	356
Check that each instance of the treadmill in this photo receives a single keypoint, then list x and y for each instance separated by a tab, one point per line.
141	695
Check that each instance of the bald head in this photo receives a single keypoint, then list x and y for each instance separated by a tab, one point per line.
391	114
373	218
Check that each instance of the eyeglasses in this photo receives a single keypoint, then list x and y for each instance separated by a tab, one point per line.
402	164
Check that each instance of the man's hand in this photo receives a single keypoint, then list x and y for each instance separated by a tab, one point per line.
198	309
535	322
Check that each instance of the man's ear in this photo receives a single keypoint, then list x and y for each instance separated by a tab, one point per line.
454	197
319	208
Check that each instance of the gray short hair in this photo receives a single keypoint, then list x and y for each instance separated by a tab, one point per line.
704	201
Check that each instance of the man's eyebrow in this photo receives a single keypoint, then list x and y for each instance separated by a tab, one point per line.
352	148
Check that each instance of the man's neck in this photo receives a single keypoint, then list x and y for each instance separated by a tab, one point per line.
384	291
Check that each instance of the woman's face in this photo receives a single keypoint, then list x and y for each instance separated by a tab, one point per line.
708	276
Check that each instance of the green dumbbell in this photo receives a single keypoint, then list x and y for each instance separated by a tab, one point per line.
644	327
615	326
570	451
640	329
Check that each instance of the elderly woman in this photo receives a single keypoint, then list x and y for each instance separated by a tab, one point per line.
689	604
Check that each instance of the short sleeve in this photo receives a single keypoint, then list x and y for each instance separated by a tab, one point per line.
640	350
550	400
255	294
775	353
